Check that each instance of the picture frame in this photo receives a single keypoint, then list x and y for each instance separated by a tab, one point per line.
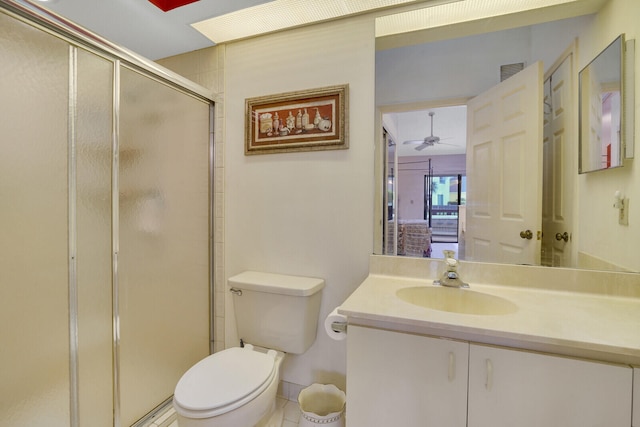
307	120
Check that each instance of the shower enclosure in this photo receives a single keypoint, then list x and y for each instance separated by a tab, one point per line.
105	196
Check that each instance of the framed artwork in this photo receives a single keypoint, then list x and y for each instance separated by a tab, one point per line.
308	120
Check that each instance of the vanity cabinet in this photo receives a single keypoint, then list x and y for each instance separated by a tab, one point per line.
398	379
519	388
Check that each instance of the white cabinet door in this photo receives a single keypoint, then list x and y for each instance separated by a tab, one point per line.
516	388
398	379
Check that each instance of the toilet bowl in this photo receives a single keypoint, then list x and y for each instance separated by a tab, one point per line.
232	388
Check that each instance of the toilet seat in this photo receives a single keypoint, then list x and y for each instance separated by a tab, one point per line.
224	381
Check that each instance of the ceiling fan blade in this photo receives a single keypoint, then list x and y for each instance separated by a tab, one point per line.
430	140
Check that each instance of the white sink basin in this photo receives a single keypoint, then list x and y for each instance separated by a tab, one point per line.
455	300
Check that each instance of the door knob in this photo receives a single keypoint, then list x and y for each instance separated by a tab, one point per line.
526	234
564	236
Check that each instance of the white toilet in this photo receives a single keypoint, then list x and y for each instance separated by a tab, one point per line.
237	386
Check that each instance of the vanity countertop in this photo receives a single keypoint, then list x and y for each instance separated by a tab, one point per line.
578	324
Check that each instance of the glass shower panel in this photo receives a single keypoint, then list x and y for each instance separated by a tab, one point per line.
94	124
163	267
34	316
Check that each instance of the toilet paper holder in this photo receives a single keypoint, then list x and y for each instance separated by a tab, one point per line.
339	327
335	325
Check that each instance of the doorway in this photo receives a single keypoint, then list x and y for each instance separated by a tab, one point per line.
425	180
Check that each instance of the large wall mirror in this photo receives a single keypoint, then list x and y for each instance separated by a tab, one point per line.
426	84
602	109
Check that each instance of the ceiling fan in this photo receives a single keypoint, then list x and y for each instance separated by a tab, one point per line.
428	141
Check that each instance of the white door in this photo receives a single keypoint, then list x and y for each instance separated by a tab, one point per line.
559	168
504	171
510	388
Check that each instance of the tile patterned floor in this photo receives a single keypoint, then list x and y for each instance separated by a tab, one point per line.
290	408
291	412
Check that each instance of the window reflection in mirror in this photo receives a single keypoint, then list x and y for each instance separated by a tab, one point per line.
445	197
601	106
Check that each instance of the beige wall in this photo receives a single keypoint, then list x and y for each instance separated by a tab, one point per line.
296	213
303	213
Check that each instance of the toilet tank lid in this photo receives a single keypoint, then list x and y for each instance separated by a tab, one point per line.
276	283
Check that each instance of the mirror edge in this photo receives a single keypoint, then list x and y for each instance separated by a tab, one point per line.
623	105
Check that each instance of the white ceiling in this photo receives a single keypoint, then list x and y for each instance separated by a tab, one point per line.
449	123
141	27
146	30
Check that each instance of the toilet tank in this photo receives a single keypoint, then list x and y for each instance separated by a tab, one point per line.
277	311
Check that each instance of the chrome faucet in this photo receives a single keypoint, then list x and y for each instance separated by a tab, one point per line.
450	277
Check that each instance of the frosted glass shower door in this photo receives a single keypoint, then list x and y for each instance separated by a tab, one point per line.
163	261
34	322
94	157
104	232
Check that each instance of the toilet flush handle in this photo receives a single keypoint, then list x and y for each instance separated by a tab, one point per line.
236	291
